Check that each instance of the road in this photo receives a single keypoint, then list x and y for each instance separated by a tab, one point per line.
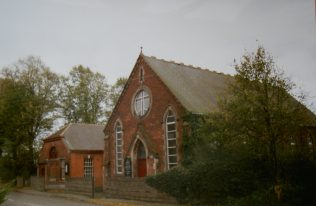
22	199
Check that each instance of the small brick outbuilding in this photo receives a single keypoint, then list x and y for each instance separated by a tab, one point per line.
75	151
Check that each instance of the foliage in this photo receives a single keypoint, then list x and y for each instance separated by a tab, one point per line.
192	136
32	98
27	105
221	178
259	111
174	182
4	189
114	93
13	120
247	149
84	96
236	178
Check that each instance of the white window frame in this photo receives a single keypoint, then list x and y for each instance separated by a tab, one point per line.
140	99
118	148
168	138
88	167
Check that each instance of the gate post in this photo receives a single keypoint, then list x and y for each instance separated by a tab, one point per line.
46	177
92	184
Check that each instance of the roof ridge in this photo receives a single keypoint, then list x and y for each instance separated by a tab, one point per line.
58	132
188	65
80	123
66	127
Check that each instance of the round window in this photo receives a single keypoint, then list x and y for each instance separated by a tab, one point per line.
141	103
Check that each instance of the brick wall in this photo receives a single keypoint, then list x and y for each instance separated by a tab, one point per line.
77	165
58	142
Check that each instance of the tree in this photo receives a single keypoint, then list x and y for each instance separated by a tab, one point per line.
13	119
259	110
84	96
27	111
261	119
115	92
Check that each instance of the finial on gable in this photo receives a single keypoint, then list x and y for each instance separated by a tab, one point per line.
141	49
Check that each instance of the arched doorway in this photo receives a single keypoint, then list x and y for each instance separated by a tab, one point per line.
141	160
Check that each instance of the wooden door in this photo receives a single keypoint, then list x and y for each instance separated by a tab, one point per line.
141	167
141	160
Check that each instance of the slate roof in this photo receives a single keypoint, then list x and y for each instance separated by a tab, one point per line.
195	88
79	136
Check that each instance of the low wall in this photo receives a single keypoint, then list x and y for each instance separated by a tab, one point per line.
82	186
38	183
134	189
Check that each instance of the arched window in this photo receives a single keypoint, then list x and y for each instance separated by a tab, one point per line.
141	103
53	153
171	139
119	148
141	74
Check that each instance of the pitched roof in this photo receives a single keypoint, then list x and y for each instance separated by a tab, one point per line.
79	136
195	88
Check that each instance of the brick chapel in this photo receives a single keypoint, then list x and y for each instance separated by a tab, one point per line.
143	135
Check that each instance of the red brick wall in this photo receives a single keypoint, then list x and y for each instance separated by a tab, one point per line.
77	165
62	151
53	167
150	127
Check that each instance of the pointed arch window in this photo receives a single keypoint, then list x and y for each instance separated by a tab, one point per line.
171	139
119	148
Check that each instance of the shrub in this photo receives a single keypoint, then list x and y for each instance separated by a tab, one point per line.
215	180
174	182
240	180
4	189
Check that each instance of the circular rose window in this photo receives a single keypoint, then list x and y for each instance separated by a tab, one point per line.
141	103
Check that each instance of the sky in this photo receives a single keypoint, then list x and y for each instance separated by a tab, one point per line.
106	35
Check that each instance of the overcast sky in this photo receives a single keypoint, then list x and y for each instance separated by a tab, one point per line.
107	35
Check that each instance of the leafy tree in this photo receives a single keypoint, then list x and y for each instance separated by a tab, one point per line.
261	120
259	110
14	118
27	110
84	96
115	92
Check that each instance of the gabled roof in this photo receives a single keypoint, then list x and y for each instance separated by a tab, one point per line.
195	88
79	136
